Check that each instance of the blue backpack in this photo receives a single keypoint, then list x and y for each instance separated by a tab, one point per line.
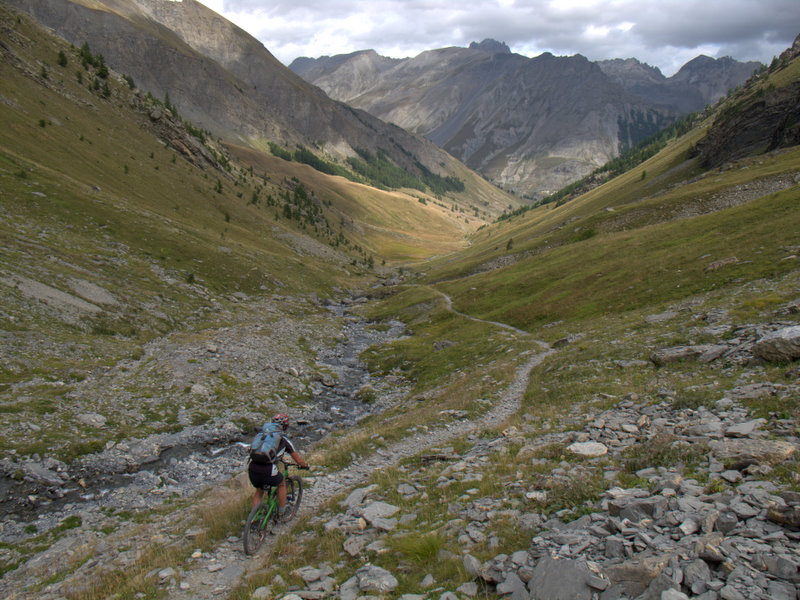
264	447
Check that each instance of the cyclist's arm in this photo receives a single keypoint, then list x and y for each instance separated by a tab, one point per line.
300	462
289	448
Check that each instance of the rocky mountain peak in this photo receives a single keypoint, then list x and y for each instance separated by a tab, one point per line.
491	46
625	70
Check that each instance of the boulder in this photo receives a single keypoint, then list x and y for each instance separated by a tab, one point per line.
262	593
92	419
637	509
666	356
469	589
695	575
635	576
746	429
40	474
588	449
379	510
744	452
660	586
375	579
564	579
785	515
354	545
349	589
513	587
780	346
357	496
472	566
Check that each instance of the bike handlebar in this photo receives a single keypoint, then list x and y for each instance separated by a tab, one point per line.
294	464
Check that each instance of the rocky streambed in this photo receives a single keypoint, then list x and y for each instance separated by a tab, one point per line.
39	493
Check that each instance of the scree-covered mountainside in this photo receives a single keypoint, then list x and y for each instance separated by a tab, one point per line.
530	125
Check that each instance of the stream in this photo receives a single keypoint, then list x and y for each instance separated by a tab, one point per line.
180	464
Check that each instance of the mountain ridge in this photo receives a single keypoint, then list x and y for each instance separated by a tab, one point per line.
493	109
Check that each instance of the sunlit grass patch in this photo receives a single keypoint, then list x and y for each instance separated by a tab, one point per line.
422	550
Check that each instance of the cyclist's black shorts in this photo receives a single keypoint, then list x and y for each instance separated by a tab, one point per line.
261	475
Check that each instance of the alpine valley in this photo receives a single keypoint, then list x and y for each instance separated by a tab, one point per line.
594	395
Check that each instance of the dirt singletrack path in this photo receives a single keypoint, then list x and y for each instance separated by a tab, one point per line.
227	567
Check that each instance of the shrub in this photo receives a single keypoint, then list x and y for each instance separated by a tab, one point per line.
420	549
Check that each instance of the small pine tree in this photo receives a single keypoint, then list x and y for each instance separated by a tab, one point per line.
62	59
102	69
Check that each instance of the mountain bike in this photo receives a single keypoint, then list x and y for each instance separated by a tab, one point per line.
264	518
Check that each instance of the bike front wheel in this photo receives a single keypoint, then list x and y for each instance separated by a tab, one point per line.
256	528
294	494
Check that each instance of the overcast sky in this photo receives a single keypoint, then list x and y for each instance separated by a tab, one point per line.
663	33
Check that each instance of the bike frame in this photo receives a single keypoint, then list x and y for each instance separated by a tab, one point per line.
270	500
266	513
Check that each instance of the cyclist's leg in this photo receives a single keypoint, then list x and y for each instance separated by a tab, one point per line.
257	497
282	496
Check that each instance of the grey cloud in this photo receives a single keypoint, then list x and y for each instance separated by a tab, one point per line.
662	33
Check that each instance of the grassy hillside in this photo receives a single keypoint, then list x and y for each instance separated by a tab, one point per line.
651	235
121	225
396	226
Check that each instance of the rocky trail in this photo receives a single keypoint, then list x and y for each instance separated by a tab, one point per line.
142	475
214	574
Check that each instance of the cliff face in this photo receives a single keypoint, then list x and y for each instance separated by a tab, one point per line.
223	79
766	122
531	125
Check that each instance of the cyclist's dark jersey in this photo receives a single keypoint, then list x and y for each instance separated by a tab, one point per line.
285	447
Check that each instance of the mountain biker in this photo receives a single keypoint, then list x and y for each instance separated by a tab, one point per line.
268	474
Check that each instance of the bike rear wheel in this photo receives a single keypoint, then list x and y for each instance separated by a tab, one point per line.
294	494
256	528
